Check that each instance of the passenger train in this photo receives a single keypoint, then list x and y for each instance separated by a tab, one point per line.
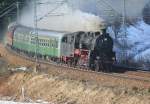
93	50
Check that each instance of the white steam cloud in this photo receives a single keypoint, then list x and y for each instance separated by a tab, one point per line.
111	10
61	17
138	43
80	15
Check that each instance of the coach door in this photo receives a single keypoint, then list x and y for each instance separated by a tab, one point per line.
67	45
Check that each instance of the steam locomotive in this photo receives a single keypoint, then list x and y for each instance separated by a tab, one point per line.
83	49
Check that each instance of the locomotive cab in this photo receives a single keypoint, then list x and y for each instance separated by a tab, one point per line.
83	46
67	47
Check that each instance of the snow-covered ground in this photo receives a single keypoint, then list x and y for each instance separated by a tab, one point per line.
11	102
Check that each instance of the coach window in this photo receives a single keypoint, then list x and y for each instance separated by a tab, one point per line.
56	43
44	43
49	43
86	35
64	40
52	45
72	39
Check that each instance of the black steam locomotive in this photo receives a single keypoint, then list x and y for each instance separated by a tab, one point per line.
102	56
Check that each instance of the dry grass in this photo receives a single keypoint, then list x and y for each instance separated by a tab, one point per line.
58	90
63	86
12	59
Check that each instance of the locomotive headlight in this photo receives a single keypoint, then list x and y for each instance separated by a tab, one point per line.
97	57
113	58
105	39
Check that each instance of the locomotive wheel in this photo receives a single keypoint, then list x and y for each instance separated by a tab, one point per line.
97	66
75	61
102	67
108	67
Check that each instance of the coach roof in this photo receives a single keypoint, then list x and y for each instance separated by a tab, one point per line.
41	32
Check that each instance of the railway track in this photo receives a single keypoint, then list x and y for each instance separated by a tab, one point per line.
145	74
130	75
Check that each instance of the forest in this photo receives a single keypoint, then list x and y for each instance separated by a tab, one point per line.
8	12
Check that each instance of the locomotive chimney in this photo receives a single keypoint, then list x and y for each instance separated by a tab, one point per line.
104	31
97	33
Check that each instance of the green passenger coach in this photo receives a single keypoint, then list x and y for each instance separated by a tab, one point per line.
48	44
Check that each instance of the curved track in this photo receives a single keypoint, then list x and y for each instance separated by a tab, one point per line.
139	73
130	75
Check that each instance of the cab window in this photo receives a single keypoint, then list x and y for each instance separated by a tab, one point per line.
64	39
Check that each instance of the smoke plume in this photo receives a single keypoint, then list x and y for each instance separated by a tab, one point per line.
80	14
61	17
